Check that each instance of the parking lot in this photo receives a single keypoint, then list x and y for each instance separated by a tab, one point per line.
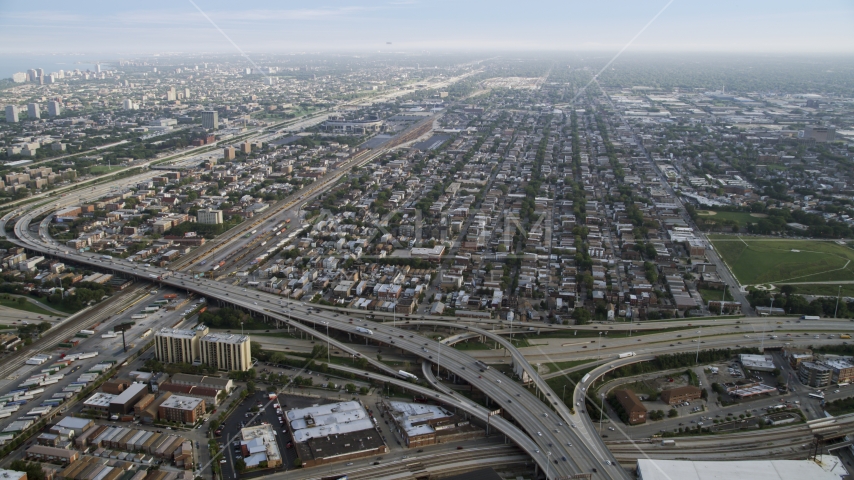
244	416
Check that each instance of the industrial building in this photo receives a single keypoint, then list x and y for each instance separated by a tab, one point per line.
732	470
123	403
226	351
333	433
180	408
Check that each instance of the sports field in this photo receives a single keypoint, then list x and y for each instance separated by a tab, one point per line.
768	260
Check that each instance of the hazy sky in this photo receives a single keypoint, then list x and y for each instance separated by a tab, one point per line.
121	27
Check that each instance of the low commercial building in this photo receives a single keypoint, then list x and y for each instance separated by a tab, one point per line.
180	408
75	424
760	363
635	411
62	456
209	395
12	474
333	433
260	449
814	374
842	369
421	424
218	383
676	395
648	469
99	401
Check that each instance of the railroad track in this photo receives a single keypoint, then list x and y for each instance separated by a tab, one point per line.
68	328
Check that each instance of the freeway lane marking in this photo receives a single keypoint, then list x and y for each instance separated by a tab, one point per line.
576	343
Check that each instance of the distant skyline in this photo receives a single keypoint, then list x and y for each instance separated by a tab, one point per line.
157	26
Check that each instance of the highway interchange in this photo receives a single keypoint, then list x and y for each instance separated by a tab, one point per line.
561	441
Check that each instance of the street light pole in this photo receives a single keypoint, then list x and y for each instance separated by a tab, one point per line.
697	358
838	294
327	343
765	325
601	412
548	461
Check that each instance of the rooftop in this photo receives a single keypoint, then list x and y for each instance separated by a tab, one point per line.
130	392
99	399
176	333
225	338
323	420
181	402
261	443
414	416
748	469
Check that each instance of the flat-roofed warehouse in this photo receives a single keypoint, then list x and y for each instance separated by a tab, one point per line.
333	433
733	470
123	403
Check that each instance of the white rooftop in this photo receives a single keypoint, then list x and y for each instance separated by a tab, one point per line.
225	338
322	420
757	361
409	413
182	402
100	399
261	442
736	470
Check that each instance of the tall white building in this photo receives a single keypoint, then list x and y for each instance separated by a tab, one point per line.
209	217
33	110
128	104
19	77
172	345
226	351
171	96
11	113
210	120
54	109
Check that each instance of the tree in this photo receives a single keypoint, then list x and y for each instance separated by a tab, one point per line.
581	316
240	465
250	387
673	413
297	462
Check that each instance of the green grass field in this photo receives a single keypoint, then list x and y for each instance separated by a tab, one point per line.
99	169
766	260
709	294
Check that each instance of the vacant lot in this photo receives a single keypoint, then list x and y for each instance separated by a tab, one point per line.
768	260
